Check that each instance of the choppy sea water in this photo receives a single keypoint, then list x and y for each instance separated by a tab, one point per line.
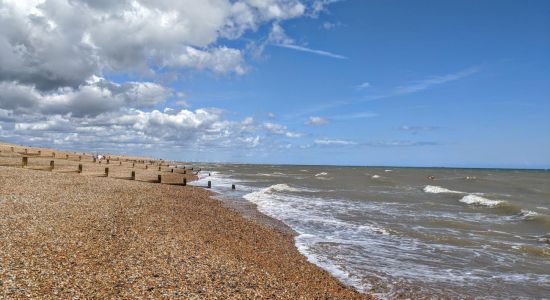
467	233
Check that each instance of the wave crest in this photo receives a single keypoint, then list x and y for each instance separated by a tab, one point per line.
478	200
434	189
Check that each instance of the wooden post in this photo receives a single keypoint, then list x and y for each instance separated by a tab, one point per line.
53	154
24	161
12	149
67	156
171	170
95	159
133	176
133	165
80	158
52	165
25	150
106	172
232	186
79	168
108	161
159	178
39	152
146	167
120	163
159	168
184	181
209	184
184	171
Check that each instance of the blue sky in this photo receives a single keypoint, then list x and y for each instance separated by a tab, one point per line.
494	112
404	83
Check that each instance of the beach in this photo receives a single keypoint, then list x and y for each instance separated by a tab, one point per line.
66	234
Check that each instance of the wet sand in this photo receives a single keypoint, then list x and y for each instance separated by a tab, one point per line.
70	235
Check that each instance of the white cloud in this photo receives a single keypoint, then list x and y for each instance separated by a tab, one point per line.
220	60
57	43
54	55
316	121
433	81
334	142
353	116
278	37
279	129
364	85
314	51
94	97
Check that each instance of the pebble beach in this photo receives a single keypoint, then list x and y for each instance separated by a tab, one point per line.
65	234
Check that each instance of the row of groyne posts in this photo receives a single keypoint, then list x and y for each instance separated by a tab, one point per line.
26	154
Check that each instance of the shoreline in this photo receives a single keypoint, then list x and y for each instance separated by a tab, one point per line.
67	234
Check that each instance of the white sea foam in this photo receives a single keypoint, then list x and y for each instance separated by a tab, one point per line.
434	189
376	176
527	214
478	200
321	174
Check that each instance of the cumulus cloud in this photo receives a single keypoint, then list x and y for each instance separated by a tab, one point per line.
57	43
317	121
279	129
94	97
55	54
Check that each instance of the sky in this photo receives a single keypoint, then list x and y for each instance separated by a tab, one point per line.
350	82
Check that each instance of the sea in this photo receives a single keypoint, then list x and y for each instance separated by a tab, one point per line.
420	233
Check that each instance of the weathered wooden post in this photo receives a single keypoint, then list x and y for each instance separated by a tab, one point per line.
159	178
95	159
159	168
184	171
209	184
39	152
24	161
52	165
108	161
79	168
67	156
171	170
26	151
80	158
133	176
53	154
106	172
133	165
232	186
184	181
146	167
120	163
